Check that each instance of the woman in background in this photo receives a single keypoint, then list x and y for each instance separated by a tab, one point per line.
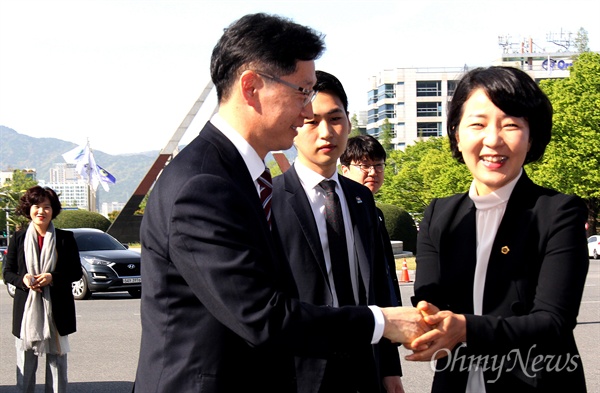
42	262
507	261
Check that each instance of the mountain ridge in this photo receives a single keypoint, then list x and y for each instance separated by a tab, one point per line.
18	151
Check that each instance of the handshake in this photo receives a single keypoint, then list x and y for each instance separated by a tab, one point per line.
425	330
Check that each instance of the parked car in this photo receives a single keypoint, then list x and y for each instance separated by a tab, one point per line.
10	288
108	265
594	246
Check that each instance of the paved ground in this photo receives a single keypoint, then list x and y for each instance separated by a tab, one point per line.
105	348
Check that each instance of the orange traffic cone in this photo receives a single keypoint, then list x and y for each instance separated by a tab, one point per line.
404	277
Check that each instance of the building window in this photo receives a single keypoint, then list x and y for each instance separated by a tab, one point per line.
426	130
429	109
429	88
386	111
374	132
372	116
451	87
385	91
372	96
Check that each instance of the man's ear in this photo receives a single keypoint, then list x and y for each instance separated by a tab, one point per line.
249	83
349	123
345	169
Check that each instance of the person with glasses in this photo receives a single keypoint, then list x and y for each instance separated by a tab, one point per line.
327	272
219	309
364	162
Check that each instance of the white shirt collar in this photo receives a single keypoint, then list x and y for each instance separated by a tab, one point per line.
253	162
494	198
309	178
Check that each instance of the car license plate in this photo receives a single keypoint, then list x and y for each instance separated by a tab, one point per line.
132	280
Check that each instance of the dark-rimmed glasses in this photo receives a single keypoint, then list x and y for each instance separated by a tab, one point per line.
367	168
309	95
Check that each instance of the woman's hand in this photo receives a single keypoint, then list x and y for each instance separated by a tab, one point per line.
448	329
38	281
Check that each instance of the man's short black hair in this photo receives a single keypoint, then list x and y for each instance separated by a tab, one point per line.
268	43
362	148
330	84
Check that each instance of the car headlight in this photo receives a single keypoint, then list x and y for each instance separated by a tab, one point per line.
97	261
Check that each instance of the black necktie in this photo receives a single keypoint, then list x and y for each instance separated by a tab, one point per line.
338	251
266	191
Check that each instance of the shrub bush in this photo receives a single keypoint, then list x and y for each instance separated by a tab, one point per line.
400	226
81	219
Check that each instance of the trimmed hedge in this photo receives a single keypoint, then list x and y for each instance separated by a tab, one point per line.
400	226
81	219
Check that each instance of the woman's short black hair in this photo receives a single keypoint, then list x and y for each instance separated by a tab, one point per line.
36	195
516	94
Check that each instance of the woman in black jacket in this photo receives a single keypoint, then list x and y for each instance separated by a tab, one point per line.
506	262
42	262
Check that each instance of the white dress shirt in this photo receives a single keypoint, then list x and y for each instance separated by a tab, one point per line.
316	197
256	167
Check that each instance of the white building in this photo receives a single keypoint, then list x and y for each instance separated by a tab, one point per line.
111	207
64	173
73	194
7	176
414	100
72	190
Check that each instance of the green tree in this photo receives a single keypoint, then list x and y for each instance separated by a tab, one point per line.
10	193
400	226
81	219
355	130
421	172
571	163
386	135
582	40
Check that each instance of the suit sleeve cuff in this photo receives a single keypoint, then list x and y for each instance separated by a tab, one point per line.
379	324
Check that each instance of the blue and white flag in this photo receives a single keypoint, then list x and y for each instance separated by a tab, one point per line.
86	167
105	176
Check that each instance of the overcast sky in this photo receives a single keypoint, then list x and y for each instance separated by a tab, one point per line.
124	73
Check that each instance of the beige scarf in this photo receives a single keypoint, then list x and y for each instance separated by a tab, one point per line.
37	316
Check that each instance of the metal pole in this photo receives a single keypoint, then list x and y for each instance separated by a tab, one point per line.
6	210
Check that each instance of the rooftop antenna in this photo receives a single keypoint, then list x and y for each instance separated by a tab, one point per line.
562	39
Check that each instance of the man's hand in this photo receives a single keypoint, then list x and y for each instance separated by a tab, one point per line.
448	330
393	384
403	324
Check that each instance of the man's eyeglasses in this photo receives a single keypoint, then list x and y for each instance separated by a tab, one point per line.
367	168
309	95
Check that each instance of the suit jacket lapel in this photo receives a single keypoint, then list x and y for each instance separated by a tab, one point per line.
361	234
460	242
506	257
297	200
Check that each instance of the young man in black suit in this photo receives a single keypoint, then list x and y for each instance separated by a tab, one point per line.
364	161
219	308
322	270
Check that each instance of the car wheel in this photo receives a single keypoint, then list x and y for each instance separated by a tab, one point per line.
595	254
11	289
80	289
135	293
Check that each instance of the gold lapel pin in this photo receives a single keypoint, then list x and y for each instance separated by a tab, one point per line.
505	250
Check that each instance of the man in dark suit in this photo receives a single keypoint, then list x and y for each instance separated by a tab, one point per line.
219	307
300	207
364	161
